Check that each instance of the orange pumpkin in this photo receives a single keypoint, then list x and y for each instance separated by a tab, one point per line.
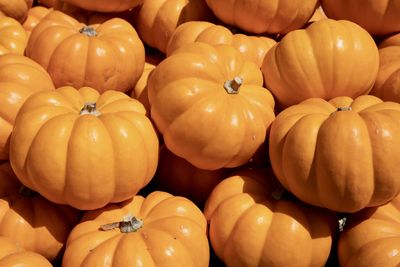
17	9
371	237
157	19
387	84
377	17
209	104
108	56
13	38
30	220
13	255
106	5
250	225
35	15
107	148
327	59
318	14
159	230
261	16
253	48
19	78
338	154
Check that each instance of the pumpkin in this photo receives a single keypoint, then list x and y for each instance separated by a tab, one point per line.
107	148
318	14
13	255
250	224
156	20
327	59
377	17
178	177
35	15
253	48
107	56
31	221
13	38
261	16
17	9
371	237
387	84
106	5
19	78
209	105
159	230
338	154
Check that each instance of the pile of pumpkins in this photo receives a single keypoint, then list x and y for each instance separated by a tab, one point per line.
200	133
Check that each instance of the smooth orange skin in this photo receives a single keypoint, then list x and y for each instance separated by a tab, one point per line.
98	160
387	84
248	227
35	15
173	234
11	255
318	14
32	222
13	38
342	160
372	237
20	77
378	17
198	119
253	48
264	16
321	61
17	9
157	19
106	5
111	60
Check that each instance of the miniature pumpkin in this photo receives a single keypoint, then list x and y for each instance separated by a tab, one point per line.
31	221
35	15
377	17
13	255
17	9
387	84
157	19
251	225
159	230
371	237
13	38
261	16
209	105
253	48
322	61
20	77
106	5
107	56
107	148
338	154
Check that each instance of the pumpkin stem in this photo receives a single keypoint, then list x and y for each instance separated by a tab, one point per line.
89	108
26	192
128	224
342	223
344	108
88	31
232	86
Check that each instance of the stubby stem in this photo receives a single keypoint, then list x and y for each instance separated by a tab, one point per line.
344	108
128	224
88	31
89	108
232	86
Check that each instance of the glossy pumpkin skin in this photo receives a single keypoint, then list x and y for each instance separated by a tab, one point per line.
337	158
106	5
253	48
35	15
17	9
13	38
173	233
12	255
377	17
321	61
103	155
262	16
20	77
111	59
250	227
30	220
157	19
199	118
387	82
372	237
